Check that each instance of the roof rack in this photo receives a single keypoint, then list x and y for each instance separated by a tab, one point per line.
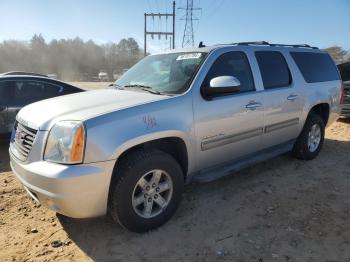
252	43
277	45
18	73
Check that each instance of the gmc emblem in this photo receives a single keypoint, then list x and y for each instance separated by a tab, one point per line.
20	136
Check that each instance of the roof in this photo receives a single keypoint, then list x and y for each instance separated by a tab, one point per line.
22	73
207	49
34	77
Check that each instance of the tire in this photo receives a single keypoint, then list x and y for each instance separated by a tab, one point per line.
302	148
126	187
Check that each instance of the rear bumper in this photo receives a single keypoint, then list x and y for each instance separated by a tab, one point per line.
78	191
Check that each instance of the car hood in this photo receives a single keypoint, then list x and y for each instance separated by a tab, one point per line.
81	106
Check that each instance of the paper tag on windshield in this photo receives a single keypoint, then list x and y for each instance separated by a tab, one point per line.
189	56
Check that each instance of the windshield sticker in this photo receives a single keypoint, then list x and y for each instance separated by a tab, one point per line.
189	56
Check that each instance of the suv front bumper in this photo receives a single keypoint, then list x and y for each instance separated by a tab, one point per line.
78	191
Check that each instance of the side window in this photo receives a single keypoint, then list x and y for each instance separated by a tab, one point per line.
316	67
232	64
3	94
51	90
274	69
66	89
27	92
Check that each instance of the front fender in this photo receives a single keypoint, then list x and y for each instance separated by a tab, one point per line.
108	136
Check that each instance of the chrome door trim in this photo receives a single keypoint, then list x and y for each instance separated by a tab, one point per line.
231	138
280	125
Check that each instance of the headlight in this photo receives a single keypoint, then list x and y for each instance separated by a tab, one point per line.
66	143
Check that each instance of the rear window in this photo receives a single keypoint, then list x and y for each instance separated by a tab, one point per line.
273	68
316	67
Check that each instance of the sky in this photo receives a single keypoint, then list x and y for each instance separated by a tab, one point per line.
321	23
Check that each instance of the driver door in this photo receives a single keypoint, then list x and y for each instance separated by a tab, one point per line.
228	127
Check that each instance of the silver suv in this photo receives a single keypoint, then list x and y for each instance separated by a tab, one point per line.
192	114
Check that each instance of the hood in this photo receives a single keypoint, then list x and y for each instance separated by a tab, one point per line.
81	106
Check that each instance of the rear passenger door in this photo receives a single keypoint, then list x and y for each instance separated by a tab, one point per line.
283	99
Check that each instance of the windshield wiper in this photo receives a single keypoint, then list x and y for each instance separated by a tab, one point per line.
137	85
116	86
146	88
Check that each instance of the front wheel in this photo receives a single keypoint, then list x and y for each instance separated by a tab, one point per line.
310	140
145	190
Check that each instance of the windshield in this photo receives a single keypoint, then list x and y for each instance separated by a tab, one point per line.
164	74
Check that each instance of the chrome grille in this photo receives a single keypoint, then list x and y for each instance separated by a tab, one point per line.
23	140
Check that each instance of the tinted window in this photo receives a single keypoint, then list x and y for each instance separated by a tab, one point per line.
232	64
316	67
3	93
274	69
26	92
67	89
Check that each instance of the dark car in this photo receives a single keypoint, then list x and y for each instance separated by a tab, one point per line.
17	91
344	70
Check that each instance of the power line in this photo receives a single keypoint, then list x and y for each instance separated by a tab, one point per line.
188	36
159	32
215	9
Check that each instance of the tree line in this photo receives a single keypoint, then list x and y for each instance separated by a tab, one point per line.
69	59
75	59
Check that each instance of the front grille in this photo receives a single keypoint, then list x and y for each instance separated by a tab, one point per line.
23	140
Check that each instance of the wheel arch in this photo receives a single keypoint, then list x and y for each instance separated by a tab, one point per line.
321	109
171	142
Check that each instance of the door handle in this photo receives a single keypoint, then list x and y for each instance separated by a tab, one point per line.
253	105
292	97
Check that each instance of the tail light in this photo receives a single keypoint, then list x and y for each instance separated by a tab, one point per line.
342	93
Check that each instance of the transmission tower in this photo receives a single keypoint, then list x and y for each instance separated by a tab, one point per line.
188	37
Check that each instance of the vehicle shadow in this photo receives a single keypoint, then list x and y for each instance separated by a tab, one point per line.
230	206
345	120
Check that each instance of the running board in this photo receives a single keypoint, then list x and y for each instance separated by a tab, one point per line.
228	168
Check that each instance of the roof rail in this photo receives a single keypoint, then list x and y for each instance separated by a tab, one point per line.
253	43
18	73
297	45
267	43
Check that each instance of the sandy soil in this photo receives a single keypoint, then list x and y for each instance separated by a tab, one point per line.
280	210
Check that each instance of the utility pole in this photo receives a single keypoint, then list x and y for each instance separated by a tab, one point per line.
160	33
188	36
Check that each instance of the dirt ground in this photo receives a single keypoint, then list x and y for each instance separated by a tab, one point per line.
280	210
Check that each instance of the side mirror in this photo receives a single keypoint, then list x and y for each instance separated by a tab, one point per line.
222	85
